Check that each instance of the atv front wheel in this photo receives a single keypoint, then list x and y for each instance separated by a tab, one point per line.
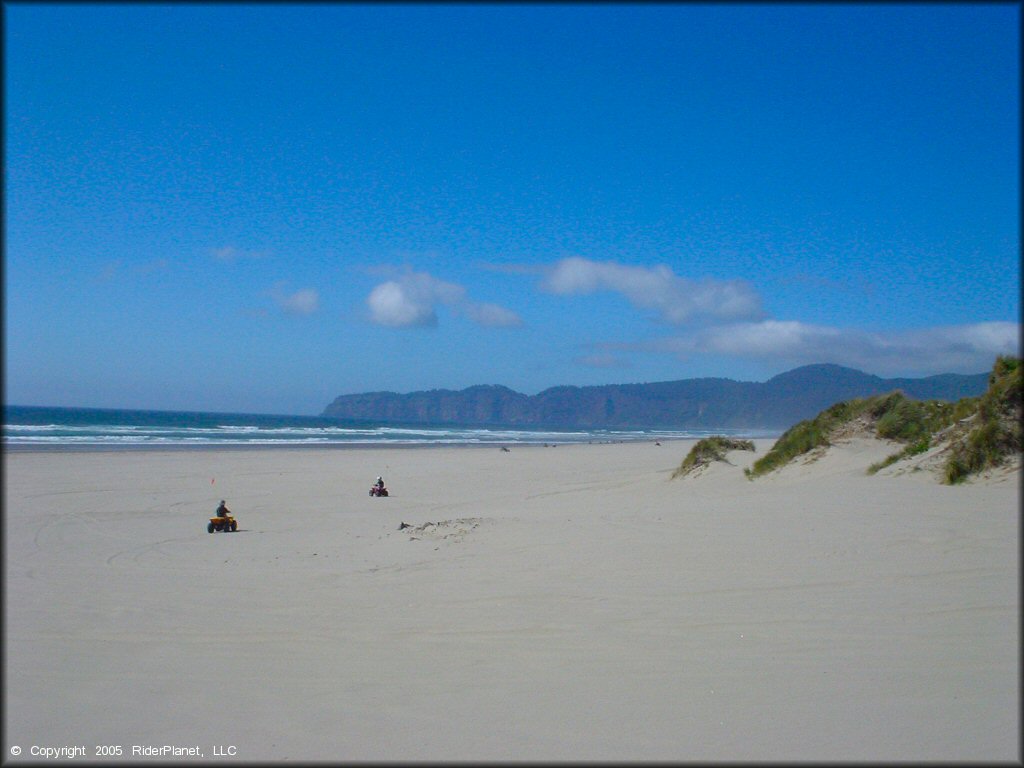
209	528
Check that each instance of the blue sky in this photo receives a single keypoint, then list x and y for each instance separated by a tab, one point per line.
259	207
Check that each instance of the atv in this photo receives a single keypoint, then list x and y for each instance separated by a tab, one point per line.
222	523
377	490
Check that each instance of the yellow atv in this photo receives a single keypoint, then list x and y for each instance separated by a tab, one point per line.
222	523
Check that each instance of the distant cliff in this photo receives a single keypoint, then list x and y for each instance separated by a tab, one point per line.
707	403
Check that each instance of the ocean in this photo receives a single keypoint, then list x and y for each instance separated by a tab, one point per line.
40	428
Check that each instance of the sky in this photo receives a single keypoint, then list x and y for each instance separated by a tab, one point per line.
257	208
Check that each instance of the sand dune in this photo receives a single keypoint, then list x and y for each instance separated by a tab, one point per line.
566	603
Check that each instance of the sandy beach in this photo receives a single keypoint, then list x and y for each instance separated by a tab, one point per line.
543	603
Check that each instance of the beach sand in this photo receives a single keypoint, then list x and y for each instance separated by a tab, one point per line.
545	603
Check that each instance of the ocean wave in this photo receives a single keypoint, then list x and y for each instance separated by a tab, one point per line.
39	427
63	436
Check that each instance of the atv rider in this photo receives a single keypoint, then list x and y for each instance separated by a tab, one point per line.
222	510
379	483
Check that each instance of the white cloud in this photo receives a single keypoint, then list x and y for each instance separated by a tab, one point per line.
393	305
964	348
121	271
491	315
230	254
725	319
303	302
675	300
770	338
603	360
410	301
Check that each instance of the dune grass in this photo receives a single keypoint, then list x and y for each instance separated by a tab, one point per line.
809	434
914	422
710	449
900	418
996	432
915	448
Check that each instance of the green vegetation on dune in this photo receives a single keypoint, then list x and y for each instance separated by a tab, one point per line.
899	418
914	422
994	432
913	449
810	434
710	449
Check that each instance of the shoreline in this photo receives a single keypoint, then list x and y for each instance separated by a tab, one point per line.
22	448
538	605
349	445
